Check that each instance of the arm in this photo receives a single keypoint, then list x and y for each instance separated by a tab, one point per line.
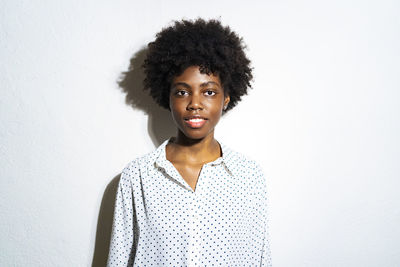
266	252
122	238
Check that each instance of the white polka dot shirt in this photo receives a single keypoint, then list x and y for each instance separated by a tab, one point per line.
160	220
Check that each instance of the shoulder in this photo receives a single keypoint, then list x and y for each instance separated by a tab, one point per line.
137	164
131	174
142	163
240	163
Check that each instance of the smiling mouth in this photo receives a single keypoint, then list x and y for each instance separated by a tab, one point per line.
195	122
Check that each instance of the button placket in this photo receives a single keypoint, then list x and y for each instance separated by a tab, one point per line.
195	238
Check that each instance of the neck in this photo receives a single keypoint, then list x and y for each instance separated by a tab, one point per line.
207	142
194	150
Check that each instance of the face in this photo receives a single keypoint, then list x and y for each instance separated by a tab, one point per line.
196	102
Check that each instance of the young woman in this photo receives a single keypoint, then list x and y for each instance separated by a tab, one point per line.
193	201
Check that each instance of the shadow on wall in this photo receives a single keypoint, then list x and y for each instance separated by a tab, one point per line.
160	124
104	224
160	127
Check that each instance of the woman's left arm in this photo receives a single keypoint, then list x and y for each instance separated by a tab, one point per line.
266	251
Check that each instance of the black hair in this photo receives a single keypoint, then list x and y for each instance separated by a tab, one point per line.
214	48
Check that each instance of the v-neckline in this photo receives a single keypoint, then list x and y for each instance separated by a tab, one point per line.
173	172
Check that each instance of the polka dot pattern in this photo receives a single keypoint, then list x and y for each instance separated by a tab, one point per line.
160	220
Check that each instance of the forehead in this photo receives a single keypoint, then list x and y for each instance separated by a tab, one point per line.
193	76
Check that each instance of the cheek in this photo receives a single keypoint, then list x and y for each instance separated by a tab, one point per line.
216	105
178	106
177	109
215	111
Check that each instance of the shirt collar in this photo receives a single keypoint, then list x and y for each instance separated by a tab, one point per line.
159	157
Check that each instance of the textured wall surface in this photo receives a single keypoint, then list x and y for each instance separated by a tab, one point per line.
322	118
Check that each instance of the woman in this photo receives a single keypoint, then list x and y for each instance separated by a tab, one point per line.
193	201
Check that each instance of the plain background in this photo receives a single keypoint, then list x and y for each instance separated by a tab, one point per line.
322	119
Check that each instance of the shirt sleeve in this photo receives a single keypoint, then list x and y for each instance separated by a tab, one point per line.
122	249
266	251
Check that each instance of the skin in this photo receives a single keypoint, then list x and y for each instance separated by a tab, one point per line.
194	93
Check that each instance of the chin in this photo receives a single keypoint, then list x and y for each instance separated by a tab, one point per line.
196	134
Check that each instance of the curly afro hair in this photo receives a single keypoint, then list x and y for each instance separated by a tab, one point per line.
207	44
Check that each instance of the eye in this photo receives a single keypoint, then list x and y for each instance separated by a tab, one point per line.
209	93
181	93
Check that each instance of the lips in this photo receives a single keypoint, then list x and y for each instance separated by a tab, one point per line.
195	121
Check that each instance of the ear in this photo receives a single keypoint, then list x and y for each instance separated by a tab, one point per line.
226	101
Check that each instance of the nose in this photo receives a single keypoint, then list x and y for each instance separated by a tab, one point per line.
195	103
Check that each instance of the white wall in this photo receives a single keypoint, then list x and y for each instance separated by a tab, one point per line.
323	119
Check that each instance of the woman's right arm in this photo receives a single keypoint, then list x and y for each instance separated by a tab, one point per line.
122	251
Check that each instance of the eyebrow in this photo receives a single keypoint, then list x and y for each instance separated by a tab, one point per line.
207	83
201	85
